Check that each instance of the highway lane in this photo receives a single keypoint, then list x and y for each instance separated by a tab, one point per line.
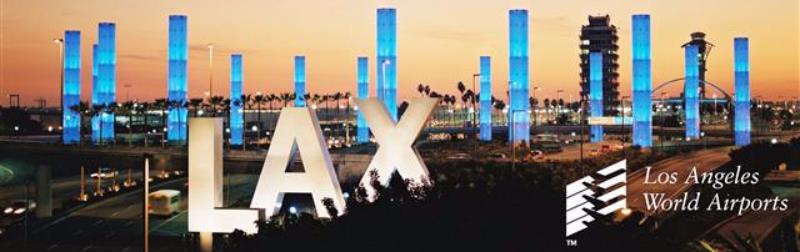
63	188
115	223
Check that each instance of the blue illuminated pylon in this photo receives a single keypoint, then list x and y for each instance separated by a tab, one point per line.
71	87
519	117
104	93
642	103
486	98
596	93
95	121
300	81
387	59
236	112
741	99
691	92
362	82
177	79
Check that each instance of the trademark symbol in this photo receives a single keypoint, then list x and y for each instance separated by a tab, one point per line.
572	243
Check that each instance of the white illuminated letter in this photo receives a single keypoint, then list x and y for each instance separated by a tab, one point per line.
395	140
298	128
205	183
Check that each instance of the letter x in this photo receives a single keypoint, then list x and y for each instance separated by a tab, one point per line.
395	140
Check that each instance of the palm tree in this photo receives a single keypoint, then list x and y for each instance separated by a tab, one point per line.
82	109
499	105
258	100
246	102
97	111
127	108
197	105
216	101
420	89
336	98
162	105
427	90
285	97
142	109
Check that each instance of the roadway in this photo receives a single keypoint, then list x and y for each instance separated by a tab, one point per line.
116	223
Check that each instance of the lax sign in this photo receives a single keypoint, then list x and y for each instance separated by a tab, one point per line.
297	130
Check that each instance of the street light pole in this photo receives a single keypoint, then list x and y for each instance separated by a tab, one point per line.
383	79
474	111
60	42
535	107
127	92
146	202
624	133
211	71
474	93
558	113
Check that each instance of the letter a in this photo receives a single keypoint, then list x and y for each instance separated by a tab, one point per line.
205	183
395	140
298	128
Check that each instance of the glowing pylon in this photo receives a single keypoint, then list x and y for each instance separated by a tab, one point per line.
114	186
83	196
98	189
129	181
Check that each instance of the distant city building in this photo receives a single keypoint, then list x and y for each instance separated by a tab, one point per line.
600	36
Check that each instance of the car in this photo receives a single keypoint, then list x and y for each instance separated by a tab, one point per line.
104	172
18	207
605	148
458	156
548	146
498	155
164	202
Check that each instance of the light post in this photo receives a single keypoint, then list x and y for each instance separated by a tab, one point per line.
714	96
60	42
474	111
624	133
474	93
210	70
558	111
582	122
535	107
383	78
146	181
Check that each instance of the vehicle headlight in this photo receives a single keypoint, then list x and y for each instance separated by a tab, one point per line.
8	210
19	211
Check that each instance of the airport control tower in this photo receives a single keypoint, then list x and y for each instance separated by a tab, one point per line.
704	49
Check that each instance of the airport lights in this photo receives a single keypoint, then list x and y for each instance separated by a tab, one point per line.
83	196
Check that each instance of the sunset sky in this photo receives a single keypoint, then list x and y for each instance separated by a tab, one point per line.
439	42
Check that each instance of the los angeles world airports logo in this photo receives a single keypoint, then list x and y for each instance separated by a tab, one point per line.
594	196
